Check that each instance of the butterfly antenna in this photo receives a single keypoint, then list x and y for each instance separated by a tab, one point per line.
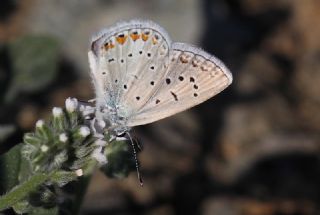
137	143
136	160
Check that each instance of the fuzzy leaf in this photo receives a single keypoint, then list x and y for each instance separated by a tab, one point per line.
22	207
62	178
21	191
9	168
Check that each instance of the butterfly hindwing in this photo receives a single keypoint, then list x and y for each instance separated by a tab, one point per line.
192	77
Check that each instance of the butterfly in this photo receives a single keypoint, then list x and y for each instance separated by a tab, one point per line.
140	76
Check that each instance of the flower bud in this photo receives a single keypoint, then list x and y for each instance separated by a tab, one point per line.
44	148
63	137
57	112
71	104
39	123
84	131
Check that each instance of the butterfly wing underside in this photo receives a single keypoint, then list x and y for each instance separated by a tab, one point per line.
192	77
140	74
127	64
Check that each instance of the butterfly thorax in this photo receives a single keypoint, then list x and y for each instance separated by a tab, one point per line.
115	121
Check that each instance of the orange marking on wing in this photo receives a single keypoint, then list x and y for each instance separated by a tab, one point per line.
134	36
106	46
121	39
154	41
204	68
144	37
183	59
111	45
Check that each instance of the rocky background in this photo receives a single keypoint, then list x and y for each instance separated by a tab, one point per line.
252	150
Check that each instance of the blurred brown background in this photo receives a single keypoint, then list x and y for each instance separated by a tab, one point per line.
252	150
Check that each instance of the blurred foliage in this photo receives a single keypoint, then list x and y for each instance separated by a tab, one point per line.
10	168
34	64
6	131
120	160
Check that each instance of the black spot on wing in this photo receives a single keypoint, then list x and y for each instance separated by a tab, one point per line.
174	96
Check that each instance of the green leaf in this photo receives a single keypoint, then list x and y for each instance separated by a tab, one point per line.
22	207
21	191
34	63
9	168
44	211
62	178
25	207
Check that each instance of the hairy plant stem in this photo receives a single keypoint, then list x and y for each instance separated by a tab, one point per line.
21	191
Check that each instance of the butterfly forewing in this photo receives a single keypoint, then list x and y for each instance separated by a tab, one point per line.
144	72
128	60
193	76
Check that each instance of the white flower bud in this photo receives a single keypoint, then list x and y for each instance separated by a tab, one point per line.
84	131
71	104
63	137
39	123
99	156
44	148
57	112
79	172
